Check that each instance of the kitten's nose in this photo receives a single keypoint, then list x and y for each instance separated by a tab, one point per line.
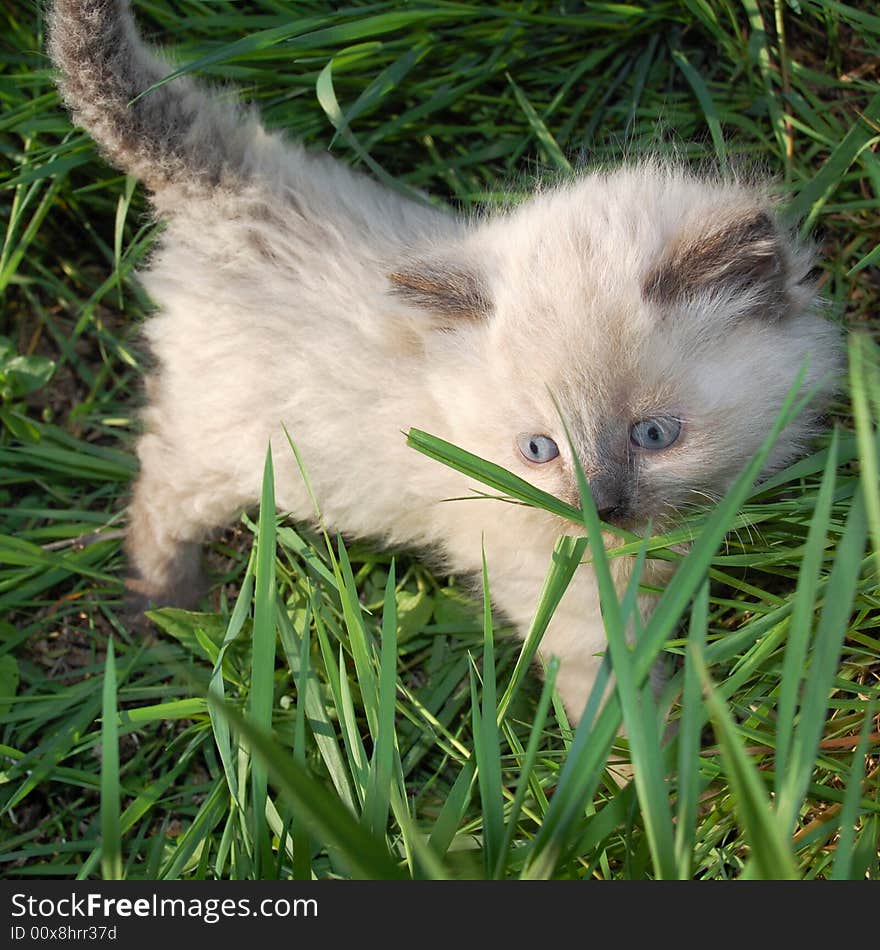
607	497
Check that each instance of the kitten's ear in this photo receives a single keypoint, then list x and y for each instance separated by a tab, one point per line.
449	289
747	254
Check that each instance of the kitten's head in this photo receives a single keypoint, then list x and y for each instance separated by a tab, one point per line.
666	316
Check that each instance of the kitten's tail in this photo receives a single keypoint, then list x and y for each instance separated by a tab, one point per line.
179	134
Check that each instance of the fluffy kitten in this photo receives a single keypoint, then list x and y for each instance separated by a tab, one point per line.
667	314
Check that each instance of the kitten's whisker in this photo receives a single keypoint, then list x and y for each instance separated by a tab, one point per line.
678	522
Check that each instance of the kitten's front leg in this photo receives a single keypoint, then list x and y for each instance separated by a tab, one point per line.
577	635
576	632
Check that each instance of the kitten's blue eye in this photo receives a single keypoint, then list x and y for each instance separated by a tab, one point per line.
537	448
657	433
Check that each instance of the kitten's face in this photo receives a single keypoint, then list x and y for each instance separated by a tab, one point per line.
665	318
667	430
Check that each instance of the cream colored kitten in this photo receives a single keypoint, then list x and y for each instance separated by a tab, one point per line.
668	316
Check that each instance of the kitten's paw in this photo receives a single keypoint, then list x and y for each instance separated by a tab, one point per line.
134	609
186	592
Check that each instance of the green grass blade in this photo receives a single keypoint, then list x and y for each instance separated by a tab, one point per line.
361	647
843	868
759	48
356	771
111	834
542	133
526	766
865	859
689	740
197	835
302	849
707	104
387	80
489	474
317	716
864	361
802	616
453	811
261	699
869	260
487	751
326	95
222	737
769	846
148	798
379	783
567	555
350	727
832	628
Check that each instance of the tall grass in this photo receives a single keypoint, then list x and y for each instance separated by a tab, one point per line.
333	711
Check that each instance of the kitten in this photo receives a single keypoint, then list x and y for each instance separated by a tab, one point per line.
667	314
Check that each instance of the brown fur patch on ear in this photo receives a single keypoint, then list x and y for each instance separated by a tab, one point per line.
744	253
445	289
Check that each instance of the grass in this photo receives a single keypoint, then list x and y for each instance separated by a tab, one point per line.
342	712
